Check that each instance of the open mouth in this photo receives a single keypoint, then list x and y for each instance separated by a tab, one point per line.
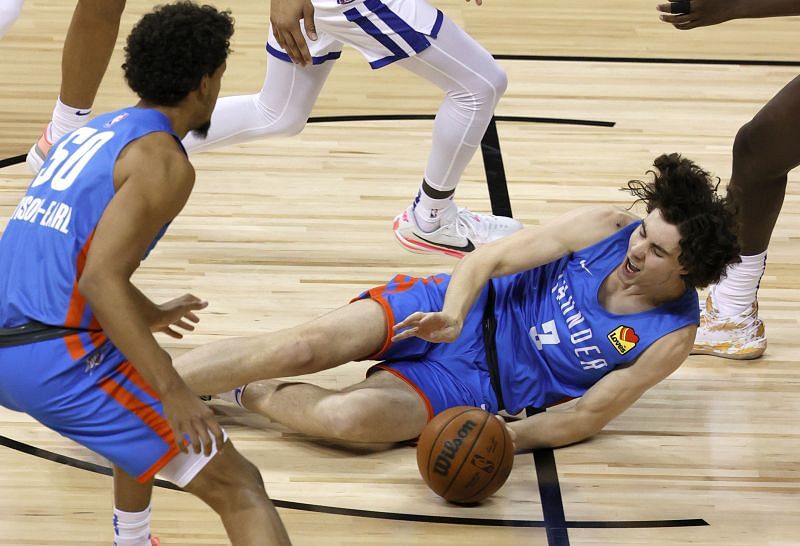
630	268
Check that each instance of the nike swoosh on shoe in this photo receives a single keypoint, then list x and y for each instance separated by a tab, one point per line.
469	247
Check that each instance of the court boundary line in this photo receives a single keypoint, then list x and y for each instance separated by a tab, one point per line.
374	514
643	60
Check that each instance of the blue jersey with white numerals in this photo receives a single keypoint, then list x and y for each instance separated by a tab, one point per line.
555	339
47	239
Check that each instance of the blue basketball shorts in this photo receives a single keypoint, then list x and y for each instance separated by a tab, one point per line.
98	400
384	31
443	374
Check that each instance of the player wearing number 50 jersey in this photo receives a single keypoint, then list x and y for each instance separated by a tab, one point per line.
595	304
76	345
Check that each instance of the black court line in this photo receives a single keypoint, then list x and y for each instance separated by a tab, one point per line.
291	505
495	172
644	60
550	493
12	161
407	117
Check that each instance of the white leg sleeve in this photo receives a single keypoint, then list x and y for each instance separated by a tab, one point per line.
280	109
9	11
473	83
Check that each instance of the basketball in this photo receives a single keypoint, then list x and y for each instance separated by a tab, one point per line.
465	454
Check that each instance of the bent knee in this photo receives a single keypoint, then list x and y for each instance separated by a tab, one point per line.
292	127
483	92
757	149
229	480
499	81
279	119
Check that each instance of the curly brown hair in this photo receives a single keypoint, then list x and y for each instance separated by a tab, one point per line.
687	197
171	48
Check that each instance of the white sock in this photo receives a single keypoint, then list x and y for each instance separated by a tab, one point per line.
66	119
428	211
132	528
736	292
233	396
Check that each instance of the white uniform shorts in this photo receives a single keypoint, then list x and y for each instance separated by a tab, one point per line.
384	31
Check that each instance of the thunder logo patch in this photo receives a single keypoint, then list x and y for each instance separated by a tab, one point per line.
623	339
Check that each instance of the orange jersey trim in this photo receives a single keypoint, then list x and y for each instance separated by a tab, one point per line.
149	416
408	382
77	303
128	370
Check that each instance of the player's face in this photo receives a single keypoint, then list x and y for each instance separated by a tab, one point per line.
653	250
211	92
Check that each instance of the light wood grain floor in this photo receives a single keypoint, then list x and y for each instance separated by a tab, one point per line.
279	231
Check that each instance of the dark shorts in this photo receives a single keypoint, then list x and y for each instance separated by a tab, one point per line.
443	374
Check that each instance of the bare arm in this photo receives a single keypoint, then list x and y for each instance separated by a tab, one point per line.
609	397
703	13
146	199
526	249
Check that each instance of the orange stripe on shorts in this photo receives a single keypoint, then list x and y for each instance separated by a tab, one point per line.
128	370
148	415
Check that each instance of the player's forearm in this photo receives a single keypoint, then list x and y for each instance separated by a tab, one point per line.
744	9
122	312
554	429
468	279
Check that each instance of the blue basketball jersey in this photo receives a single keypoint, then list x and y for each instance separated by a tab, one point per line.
44	247
555	339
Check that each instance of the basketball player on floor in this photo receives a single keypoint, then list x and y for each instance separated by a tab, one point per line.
596	304
764	151
76	348
417	37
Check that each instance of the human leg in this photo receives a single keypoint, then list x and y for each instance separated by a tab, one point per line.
281	108
382	408
131	510
349	333
232	486
87	50
764	151
473	83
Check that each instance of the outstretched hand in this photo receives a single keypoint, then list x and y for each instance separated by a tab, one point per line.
688	14
435	327
178	313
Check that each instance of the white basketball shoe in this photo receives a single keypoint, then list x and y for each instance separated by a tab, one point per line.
461	231
740	337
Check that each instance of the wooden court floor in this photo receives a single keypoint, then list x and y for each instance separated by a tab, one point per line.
279	231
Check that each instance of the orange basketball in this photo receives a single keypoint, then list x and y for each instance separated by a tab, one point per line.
465	454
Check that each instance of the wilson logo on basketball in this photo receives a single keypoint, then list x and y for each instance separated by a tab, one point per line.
623	339
450	448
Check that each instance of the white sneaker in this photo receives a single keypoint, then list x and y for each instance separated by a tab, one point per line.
740	337
460	231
